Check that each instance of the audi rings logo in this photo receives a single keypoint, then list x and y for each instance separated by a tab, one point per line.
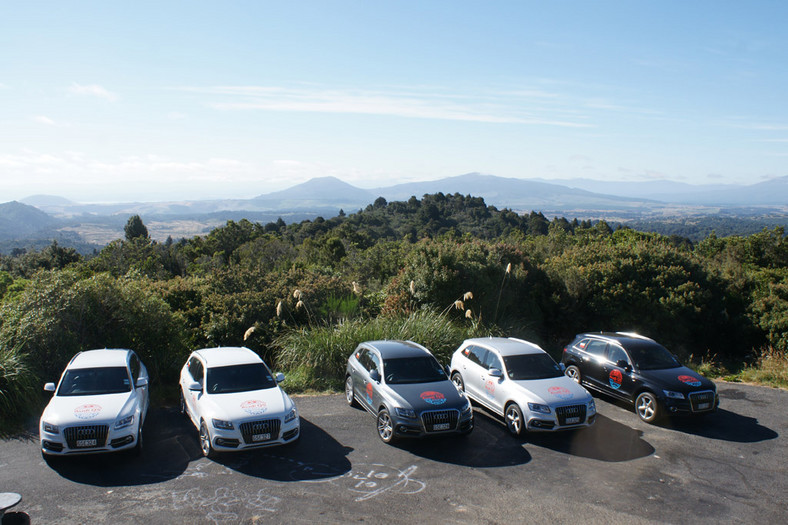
86	433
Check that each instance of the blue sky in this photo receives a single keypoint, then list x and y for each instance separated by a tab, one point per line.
117	101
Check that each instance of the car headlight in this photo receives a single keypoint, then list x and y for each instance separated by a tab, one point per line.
221	424
467	409
592	406
536	407
291	415
673	395
124	422
406	412
49	427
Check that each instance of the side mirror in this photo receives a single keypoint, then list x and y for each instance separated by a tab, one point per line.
622	363
49	387
447	369
194	386
375	376
563	367
494	372
279	377
142	381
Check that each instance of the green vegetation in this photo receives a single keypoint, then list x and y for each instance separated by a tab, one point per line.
434	270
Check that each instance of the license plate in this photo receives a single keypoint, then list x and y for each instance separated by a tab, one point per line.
572	420
86	442
261	437
703	406
442	426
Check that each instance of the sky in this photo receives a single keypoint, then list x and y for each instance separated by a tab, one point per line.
158	101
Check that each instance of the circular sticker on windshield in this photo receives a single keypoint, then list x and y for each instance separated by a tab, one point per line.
433	398
615	379
689	380
254	407
561	392
87	411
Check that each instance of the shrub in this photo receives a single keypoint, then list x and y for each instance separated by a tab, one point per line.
18	388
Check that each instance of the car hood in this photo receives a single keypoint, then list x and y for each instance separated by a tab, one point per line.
680	379
87	410
271	402
429	396
553	391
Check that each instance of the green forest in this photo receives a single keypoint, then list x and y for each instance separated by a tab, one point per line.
435	270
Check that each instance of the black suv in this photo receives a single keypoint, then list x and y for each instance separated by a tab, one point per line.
641	371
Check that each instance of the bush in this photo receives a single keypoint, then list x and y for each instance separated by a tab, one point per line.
18	388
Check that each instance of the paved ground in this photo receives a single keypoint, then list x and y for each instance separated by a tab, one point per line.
730	467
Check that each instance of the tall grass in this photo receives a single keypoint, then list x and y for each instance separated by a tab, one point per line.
18	392
770	369
315	358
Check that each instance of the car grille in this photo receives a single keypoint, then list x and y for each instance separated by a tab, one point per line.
256	428
433	419
564	413
82	437
703	399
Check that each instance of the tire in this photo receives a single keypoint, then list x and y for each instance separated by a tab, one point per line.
573	373
456	378
514	420
350	398
385	426
646	407
205	442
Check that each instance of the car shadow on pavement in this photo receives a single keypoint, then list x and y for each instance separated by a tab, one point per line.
316	455
723	425
168	450
489	445
606	440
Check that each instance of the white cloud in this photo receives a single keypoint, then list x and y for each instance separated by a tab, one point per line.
93	90
41	119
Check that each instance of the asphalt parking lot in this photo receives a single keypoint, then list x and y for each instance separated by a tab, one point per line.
728	467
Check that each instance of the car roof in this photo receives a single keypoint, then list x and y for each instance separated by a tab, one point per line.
227	355
392	349
623	338
100	358
506	346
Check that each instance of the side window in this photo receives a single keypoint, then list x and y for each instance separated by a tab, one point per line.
195	369
134	364
596	347
375	361
616	353
477	355
492	361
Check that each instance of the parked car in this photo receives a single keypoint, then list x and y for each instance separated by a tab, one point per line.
235	402
406	389
99	405
519	381
640	371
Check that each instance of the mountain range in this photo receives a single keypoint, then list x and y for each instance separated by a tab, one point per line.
325	196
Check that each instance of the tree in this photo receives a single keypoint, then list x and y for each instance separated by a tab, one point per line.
135	228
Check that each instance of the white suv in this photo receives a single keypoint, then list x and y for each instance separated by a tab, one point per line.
99	405
521	382
235	402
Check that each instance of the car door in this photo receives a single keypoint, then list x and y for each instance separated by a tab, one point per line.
138	371
620	380
494	388
473	371
592	363
363	385
195	372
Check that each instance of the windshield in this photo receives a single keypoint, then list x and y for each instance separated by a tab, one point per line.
95	381
239	378
412	370
651	356
531	366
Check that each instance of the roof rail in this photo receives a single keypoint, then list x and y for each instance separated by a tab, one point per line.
634	335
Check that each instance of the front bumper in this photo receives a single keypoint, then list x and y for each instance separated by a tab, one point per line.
88	439
249	434
703	402
434	423
570	417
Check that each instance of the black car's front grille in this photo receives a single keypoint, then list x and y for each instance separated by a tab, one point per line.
440	420
88	436
566	415
255	431
702	401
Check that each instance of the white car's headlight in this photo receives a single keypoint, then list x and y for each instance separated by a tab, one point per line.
673	395
536	407
124	422
406	412
221	424
49	427
291	415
